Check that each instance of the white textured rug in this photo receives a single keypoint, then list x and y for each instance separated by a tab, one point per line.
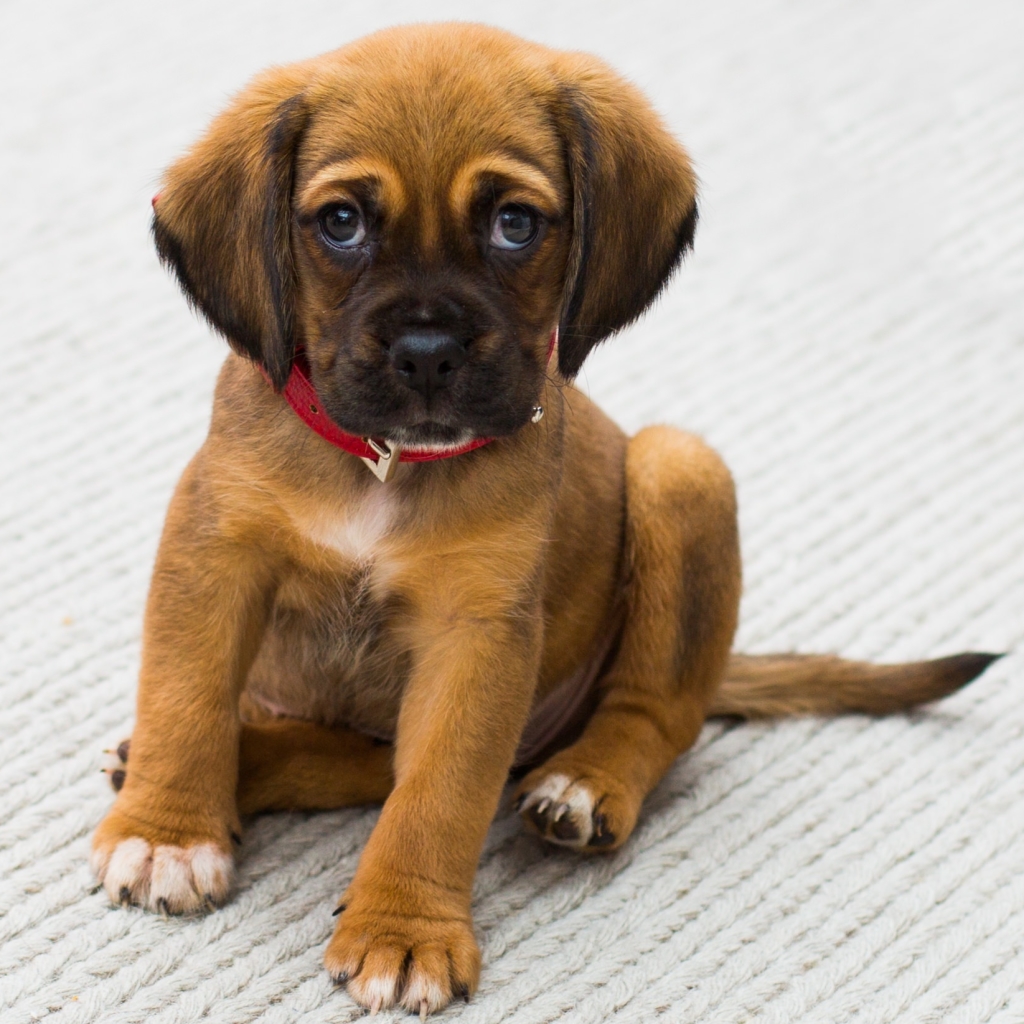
850	333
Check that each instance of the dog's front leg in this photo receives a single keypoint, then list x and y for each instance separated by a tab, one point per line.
167	842
406	934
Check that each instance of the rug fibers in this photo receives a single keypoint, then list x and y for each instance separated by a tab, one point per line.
849	333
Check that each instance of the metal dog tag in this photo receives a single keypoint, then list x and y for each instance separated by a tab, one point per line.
387	460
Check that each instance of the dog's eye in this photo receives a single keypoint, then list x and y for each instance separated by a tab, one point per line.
515	227
343	226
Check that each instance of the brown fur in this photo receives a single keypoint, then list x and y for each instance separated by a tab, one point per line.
435	610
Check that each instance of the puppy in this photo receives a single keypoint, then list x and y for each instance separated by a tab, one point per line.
410	556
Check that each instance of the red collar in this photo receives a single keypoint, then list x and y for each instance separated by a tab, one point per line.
381	457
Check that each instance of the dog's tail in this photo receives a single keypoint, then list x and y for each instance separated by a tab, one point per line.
778	685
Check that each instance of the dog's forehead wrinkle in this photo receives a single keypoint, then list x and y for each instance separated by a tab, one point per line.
429	153
434	117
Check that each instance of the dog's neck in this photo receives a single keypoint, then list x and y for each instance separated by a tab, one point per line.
381	456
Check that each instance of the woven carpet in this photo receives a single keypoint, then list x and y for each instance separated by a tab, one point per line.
849	333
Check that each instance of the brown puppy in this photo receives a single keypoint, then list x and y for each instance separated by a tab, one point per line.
414	215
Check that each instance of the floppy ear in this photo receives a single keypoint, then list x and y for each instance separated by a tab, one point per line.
634	197
222	221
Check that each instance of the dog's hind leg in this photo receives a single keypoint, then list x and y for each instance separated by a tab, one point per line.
682	589
290	765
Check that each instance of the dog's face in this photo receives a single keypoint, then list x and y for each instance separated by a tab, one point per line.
430	242
419	210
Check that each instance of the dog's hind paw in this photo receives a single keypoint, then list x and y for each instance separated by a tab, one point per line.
568	811
116	767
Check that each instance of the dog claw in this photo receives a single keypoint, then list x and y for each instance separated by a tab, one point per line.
601	837
375	1006
125	896
340	909
464	992
116	773
423	1009
542	807
163	906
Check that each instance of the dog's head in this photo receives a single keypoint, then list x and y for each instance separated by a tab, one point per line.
418	210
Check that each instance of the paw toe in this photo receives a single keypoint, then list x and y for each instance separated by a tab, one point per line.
563	826
378	982
420	966
578	812
427	988
167	879
125	871
602	835
212	871
188	880
560	809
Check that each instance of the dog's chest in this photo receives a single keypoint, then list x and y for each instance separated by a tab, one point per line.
333	650
359	534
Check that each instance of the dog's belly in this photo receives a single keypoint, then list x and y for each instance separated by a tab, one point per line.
331	655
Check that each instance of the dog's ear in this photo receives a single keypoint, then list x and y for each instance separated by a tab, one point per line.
634	197
222	221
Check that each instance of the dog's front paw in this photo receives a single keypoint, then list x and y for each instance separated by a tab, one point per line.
397	959
172	873
583	810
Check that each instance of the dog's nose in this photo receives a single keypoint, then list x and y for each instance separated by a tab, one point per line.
427	360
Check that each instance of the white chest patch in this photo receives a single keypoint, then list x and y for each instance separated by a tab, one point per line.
359	532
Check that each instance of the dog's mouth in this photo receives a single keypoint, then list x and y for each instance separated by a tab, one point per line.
431	436
487	404
440	427
494	392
